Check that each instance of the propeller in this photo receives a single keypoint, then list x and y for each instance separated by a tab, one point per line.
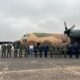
66	28
72	27
67	31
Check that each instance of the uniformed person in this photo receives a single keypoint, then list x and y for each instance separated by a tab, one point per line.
20	50
70	48
40	48
65	50
45	48
9	46
56	50
78	51
3	48
15	46
76	47
35	50
60	53
26	48
51	50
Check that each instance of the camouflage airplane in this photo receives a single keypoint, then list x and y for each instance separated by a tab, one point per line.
55	39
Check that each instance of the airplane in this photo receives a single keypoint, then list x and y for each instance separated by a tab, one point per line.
50	38
73	34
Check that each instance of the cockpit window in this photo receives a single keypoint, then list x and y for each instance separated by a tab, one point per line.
26	35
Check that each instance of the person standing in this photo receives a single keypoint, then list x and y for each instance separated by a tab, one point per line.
70	50
60	51
3	48
76	47
45	47
78	51
40	48
65	50
26	48
51	50
31	48
56	51
20	50
35	50
15	45
9	46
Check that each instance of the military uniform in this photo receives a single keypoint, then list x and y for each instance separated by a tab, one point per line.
77	47
9	50
78	50
40	50
60	52
51	51
65	51
26	48
20	50
15	50
45	50
3	47
70	50
56	50
35	50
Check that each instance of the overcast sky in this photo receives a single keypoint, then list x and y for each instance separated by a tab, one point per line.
18	17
